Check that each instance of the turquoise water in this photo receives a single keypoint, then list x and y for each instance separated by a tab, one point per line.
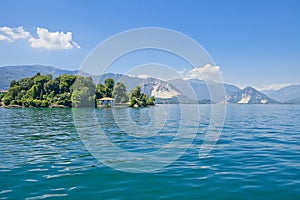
256	157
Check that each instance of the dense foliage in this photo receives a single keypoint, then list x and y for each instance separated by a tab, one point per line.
68	91
119	93
105	90
139	99
41	91
83	92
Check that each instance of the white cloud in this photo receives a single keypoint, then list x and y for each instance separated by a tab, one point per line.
53	40
143	76
207	72
11	34
44	39
3	37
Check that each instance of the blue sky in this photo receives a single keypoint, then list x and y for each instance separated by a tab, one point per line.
253	42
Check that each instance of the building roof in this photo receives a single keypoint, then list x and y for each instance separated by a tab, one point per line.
106	99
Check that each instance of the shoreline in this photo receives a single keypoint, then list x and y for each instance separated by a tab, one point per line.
18	106
126	105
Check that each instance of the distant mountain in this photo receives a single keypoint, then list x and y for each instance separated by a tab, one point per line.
173	91
249	95
294	101
267	92
8	73
195	88
163	91
286	94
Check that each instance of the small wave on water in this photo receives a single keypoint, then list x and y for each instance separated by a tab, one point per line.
256	157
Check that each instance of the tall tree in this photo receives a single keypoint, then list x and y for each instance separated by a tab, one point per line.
83	92
139	99
119	93
100	91
109	87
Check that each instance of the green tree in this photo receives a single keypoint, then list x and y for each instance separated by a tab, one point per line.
1	97
13	83
65	82
109	87
25	83
151	101
100	91
119	93
6	100
83	92
39	82
63	99
140	99
13	92
52	86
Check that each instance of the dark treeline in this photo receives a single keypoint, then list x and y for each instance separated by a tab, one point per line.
69	91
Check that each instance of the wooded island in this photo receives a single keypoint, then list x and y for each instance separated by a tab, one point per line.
70	91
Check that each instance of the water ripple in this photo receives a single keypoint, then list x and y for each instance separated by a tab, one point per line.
256	157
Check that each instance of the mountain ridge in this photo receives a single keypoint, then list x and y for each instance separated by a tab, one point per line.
249	95
176	90
9	73
285	94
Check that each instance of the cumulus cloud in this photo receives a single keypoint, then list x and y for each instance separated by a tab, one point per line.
143	76
44	39
11	34
52	40
207	72
3	37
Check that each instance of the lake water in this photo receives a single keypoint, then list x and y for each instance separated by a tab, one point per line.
257	156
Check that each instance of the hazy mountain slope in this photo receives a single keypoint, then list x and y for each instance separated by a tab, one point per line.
195	88
249	95
267	92
9	73
285	94
150	86
294	101
174	91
